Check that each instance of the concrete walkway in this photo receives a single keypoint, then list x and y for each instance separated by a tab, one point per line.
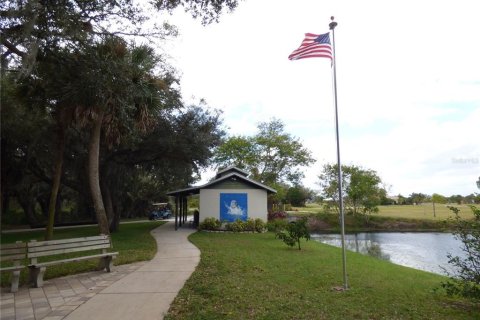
139	291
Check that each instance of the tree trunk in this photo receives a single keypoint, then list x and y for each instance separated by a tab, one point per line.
117	211
93	174
107	199
57	176
5	203
116	220
58	208
28	205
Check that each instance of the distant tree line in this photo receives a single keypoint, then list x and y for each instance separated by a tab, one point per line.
418	198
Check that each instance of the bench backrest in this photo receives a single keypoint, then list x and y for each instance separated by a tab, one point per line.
53	247
15	252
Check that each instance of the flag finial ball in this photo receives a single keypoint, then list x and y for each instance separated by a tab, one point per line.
332	24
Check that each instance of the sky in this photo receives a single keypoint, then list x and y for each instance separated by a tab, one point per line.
408	80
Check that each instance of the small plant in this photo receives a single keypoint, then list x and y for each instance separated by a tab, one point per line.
376	251
277	225
249	225
294	232
236	226
210	224
466	279
277	215
259	225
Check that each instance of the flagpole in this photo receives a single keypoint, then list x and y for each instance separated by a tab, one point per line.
332	26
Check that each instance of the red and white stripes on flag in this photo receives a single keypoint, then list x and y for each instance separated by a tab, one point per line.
313	46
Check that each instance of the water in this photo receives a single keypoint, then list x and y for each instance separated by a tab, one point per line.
424	251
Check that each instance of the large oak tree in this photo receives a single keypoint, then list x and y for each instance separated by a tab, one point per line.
272	155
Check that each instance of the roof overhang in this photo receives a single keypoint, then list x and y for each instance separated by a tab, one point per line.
234	175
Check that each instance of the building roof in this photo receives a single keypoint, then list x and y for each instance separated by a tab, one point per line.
227	170
230	173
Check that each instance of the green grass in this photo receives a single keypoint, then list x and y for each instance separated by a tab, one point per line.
133	242
422	211
255	276
389	218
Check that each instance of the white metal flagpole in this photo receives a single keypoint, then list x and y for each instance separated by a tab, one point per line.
332	26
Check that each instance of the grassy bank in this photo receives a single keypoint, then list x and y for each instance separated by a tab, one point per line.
133	242
255	276
423	211
389	218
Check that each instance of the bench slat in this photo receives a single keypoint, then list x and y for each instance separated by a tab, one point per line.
60	251
12	257
53	247
49	263
13	245
14	268
13	252
61	241
8	252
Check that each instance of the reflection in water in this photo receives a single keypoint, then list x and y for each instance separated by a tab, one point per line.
364	246
425	251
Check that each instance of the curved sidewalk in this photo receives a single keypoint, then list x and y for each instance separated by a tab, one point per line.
143	290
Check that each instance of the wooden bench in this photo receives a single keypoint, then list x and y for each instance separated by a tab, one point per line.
15	252
37	249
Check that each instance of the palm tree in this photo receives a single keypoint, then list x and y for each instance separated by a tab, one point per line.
118	93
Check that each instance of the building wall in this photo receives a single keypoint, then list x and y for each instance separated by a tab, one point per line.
210	202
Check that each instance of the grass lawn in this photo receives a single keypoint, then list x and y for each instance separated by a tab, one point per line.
422	211
255	276
133	242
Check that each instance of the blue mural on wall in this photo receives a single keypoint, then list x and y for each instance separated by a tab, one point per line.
233	206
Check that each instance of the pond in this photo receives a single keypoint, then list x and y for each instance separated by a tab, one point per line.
420	250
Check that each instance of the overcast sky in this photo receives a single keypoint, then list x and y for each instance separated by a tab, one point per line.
408	75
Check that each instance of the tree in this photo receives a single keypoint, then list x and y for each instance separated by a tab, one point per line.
28	27
271	156
24	147
417	198
472	198
402	200
362	190
465	280
458	199
208	11
294	231
298	195
168	157
437	198
116	91
36	31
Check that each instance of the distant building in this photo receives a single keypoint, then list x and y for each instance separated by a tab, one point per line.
231	195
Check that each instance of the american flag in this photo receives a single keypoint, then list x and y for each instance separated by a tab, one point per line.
313	46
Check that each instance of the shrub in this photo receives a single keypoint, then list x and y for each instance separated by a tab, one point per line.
249	225
236	226
294	232
277	225
210	224
466	279
277	215
259	225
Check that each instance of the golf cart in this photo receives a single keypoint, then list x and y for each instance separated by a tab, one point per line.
160	211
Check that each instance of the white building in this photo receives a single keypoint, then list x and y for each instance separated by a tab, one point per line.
230	196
